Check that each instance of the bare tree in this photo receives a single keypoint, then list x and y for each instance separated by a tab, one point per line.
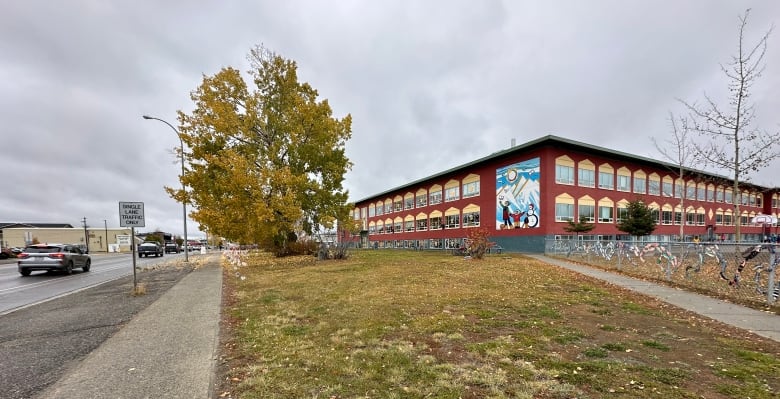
734	144
678	151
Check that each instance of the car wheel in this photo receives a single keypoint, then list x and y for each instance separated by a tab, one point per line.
87	266
69	268
24	272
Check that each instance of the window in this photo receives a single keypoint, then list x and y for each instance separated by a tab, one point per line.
667	188
452	194
606	177
471	216
640	182
729	199
564	212
380	208
655	214
435	197
409	201
678	217
666	216
435	223
701	192
397	226
719	194
710	193
564	208
606	214
452	191
690	218
728	220
564	174
624	180
719	218
471	186
586	174
700	217
421	199
654	185
371	211
690	191
586	211
624	183
398	204
564	170
453	221
388	206
409	225
678	188
471	219
422	224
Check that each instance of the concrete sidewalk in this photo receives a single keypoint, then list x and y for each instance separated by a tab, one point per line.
761	323
167	351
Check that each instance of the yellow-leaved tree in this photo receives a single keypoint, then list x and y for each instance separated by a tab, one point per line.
266	163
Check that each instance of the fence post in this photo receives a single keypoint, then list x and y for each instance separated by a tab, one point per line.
770	284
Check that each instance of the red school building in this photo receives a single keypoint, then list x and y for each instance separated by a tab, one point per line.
526	195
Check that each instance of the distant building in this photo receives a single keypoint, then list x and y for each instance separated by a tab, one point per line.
527	194
96	238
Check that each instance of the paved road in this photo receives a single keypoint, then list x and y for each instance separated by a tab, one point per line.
40	343
17	292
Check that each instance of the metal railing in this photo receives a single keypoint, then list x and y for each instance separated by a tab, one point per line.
744	273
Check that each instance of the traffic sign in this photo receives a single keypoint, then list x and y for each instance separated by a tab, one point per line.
131	214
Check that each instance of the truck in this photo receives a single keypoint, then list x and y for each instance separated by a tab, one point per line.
150	248
171	248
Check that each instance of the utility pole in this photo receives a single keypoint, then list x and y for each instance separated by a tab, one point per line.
105	224
86	235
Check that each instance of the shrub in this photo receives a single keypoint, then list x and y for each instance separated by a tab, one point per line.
478	242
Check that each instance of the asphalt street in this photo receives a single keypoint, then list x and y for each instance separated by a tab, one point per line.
39	344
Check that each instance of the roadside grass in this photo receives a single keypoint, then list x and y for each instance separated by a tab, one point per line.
406	324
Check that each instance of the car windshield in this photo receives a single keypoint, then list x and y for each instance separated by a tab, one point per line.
42	250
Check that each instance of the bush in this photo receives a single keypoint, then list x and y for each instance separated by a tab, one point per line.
478	242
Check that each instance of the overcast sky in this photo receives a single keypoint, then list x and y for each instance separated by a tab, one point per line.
429	84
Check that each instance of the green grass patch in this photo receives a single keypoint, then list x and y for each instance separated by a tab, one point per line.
422	324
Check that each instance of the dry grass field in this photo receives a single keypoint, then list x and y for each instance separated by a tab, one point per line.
404	324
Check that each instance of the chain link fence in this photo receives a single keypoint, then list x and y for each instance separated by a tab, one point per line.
743	273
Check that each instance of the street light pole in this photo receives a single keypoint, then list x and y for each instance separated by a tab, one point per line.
183	202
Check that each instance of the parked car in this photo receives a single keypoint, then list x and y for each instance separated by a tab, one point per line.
52	257
150	248
172	248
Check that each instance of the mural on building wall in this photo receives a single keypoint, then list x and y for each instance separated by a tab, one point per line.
517	195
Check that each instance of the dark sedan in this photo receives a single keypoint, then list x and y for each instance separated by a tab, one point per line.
52	257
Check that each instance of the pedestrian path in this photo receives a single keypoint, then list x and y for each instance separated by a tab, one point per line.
167	351
761	323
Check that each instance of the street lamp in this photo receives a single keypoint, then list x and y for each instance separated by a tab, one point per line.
183	202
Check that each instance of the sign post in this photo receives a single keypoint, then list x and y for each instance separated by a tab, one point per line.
131	214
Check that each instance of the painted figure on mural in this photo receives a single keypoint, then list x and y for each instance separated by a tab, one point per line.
516	217
531	219
505	213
